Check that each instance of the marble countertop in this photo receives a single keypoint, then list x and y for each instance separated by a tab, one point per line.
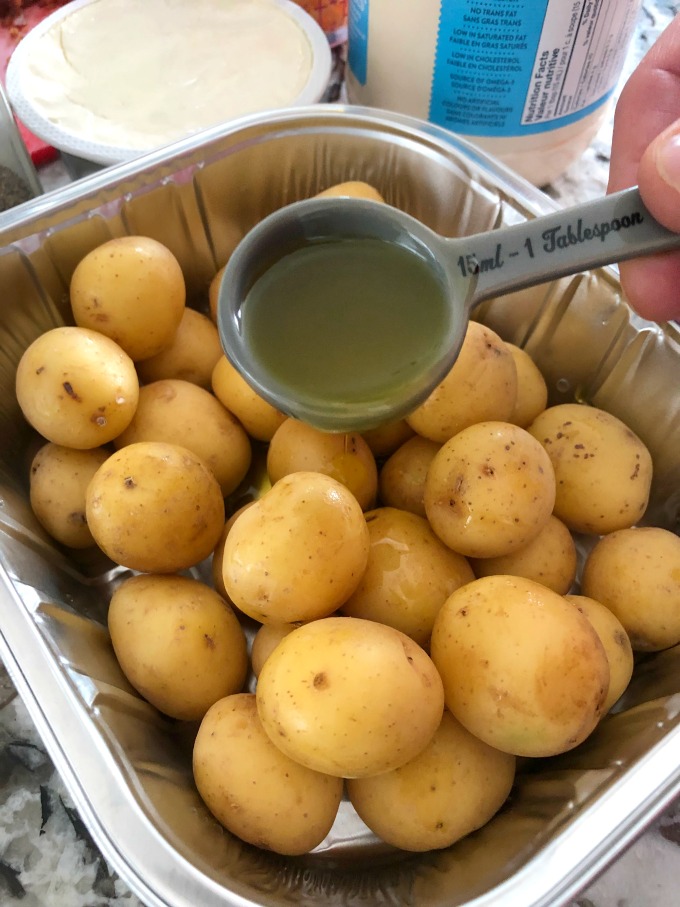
47	856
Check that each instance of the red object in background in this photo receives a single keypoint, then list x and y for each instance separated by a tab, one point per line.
331	16
13	26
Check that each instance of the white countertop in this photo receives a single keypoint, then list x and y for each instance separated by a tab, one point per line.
47	858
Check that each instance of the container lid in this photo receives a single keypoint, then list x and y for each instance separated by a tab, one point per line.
107	80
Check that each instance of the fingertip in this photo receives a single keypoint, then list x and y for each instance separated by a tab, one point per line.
659	177
651	285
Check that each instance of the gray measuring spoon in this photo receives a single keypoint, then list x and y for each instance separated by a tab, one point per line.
347	313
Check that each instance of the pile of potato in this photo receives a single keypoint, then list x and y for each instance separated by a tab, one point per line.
414	586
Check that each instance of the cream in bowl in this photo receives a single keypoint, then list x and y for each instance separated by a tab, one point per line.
109	79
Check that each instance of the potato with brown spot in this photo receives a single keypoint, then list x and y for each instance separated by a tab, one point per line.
602	468
616	642
522	668
131	289
489	490
349	697
253	789
155	507
59	478
178	643
481	386
636	574
76	387
450	789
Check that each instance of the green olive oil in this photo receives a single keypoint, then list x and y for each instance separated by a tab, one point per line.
349	320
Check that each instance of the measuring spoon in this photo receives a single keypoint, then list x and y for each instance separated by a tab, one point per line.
356	357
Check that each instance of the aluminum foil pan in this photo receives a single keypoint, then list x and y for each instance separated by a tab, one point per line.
126	767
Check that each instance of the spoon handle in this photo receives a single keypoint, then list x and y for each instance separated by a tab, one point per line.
589	235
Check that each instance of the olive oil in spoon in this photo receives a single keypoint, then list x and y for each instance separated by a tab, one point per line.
355	319
347	313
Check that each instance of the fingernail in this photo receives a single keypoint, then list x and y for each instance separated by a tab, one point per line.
667	160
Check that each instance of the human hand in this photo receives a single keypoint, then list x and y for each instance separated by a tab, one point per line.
646	152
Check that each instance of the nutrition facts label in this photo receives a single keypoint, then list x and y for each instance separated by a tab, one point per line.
579	57
512	67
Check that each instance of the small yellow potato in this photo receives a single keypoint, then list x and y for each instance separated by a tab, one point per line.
214	293
532	391
77	387
352	189
522	668
450	789
481	386
191	355
401	482
349	697
218	553
259	418
385	439
489	490
550	558
178	643
636	574
253	789
132	290
409	576
59	478
179	412
616	643
155	507
266	639
298	553
603	470
344	456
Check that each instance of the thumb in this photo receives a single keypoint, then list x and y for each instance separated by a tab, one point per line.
652	283
659	177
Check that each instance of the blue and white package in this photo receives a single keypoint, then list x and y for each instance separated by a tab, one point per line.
499	69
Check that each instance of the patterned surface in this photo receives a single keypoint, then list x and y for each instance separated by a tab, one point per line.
47	858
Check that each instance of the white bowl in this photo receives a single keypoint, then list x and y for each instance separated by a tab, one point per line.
108	80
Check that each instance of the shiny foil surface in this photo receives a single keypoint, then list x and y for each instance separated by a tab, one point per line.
127	768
